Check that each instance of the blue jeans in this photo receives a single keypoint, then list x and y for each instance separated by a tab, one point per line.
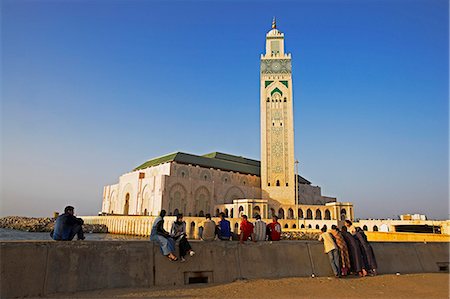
333	255
167	245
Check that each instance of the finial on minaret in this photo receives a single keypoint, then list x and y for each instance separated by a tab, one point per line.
274	23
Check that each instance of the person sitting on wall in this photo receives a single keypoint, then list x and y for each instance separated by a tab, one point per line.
331	250
178	233
274	229
246	228
223	228
207	231
67	226
162	237
260	229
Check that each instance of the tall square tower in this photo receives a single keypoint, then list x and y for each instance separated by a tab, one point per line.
277	121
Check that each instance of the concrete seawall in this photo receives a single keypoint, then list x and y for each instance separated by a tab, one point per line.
40	268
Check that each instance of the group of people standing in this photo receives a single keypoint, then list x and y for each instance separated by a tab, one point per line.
348	250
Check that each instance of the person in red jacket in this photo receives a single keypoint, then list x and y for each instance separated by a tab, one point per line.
274	229
246	230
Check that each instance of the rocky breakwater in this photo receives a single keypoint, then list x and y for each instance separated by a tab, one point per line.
31	224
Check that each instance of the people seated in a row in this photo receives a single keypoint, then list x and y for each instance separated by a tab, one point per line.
208	232
258	231
348	253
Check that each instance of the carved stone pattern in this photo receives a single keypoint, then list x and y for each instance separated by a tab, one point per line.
276	66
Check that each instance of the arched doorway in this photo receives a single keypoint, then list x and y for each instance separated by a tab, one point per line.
343	214
281	213
226	212
327	214
241	211
309	214
272	212
126	207
300	214
256	211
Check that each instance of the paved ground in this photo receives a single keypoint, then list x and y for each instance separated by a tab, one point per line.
411	286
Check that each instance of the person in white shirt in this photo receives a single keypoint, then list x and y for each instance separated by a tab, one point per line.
260	229
332	250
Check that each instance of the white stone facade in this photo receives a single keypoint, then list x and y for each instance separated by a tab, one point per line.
188	189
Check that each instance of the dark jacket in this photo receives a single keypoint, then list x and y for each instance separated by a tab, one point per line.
64	225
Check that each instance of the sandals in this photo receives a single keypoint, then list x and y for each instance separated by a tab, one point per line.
172	257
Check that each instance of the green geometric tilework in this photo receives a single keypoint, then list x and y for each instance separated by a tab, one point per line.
268	83
276	90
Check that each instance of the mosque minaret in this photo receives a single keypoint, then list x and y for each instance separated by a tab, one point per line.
277	121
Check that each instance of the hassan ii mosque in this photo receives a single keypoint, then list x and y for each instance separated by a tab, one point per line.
217	182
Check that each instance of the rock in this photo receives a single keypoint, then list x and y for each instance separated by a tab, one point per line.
47	224
299	235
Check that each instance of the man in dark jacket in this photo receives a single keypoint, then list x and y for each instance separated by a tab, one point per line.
67	226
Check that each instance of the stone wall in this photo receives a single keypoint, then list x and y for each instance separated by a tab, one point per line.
41	268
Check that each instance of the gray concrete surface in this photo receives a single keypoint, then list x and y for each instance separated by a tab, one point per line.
40	267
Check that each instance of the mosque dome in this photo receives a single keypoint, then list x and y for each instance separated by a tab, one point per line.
274	32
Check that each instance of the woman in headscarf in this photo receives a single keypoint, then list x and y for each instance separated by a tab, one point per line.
367	251
178	233
343	250
162	237
354	251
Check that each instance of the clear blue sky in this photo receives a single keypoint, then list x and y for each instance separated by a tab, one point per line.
91	89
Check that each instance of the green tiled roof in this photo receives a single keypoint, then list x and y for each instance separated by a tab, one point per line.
157	161
213	160
237	159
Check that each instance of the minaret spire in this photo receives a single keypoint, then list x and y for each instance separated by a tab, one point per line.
274	23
